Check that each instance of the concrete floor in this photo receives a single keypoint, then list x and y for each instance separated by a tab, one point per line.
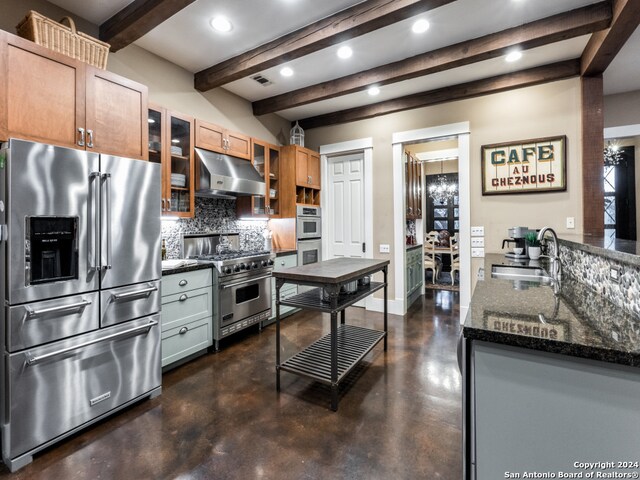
220	417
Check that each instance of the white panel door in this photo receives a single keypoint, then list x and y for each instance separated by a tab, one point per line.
346	205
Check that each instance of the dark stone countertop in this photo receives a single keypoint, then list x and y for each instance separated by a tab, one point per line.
331	272
577	322
187	268
280	252
625	251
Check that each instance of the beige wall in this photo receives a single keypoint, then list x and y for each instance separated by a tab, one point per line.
169	85
622	109
540	111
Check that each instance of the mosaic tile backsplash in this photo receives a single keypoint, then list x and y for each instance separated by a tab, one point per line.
213	215
593	271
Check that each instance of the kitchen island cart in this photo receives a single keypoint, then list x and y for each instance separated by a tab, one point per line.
330	359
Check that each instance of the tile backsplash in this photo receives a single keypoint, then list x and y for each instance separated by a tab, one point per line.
213	215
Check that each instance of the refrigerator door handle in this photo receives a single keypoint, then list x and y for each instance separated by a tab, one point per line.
92	222
107	182
34	360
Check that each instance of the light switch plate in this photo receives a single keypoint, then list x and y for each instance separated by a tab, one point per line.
571	222
477	231
477	241
477	252
384	248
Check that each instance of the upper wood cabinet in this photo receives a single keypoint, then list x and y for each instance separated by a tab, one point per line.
307	168
217	139
51	98
171	141
266	160
413	187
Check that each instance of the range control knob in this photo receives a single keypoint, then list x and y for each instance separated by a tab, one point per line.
236	268
226	270
264	263
242	266
254	265
270	262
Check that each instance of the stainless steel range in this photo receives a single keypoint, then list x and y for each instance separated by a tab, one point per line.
242	281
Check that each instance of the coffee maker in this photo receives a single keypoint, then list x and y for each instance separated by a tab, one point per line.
517	238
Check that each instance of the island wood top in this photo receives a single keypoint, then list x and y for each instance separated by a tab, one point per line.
334	271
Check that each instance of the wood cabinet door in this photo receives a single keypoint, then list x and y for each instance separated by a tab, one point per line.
313	170
117	111
302	175
210	137
43	93
238	145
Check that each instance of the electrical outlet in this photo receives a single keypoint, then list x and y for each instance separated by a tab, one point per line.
384	248
480	275
615	273
571	222
477	252
477	241
477	231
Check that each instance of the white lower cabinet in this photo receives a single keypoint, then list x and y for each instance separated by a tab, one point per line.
288	290
187	314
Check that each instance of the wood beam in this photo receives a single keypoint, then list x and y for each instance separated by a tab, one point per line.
137	19
604	46
352	22
559	27
592	97
487	86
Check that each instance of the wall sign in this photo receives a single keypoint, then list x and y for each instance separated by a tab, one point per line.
526	166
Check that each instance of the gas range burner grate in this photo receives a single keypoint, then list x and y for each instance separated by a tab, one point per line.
231	255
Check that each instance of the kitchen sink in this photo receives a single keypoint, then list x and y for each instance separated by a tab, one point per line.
521	273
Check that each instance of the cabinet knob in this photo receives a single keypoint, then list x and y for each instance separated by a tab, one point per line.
282	263
183	282
183	297
183	330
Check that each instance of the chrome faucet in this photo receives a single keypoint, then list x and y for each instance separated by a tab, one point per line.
555	258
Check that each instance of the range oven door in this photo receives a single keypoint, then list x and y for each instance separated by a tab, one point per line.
243	297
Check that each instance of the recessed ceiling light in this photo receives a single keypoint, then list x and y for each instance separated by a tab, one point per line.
373	91
286	72
513	56
345	52
221	24
420	26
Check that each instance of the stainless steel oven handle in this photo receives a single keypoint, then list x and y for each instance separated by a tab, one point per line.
33	360
94	242
60	308
137	293
245	281
107	177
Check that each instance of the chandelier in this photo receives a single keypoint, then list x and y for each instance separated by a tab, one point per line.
612	155
442	190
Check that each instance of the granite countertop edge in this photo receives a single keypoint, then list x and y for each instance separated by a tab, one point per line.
186	268
620	251
280	252
411	247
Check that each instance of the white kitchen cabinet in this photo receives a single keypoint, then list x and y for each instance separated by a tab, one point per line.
539	412
414	272
187	314
288	290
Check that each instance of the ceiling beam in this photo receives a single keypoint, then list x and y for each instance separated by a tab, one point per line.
487	86
137	19
604	46
352	22
559	27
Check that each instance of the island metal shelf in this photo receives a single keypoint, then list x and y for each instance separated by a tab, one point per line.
330	359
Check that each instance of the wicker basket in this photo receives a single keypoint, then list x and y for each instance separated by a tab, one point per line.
63	39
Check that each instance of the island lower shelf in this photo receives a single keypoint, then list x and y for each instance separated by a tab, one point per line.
315	360
312	299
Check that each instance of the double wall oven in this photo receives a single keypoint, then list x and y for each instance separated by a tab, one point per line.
80	288
242	281
309	234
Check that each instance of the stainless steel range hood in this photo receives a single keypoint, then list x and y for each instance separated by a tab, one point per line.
224	176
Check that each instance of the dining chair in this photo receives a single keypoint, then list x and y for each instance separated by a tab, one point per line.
431	262
455	257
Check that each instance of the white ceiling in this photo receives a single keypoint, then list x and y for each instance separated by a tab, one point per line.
186	39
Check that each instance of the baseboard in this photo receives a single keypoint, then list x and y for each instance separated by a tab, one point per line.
395	307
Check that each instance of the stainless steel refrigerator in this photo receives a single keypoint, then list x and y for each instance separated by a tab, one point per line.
80	284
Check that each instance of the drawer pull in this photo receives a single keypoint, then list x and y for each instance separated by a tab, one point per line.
59	309
183	330
182	282
137	293
183	297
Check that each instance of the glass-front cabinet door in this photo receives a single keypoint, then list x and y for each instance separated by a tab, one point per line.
273	184
171	142
265	159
